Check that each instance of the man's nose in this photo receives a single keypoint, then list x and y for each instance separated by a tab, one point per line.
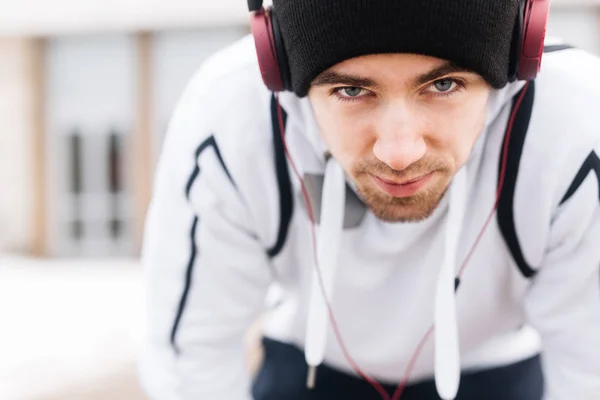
400	142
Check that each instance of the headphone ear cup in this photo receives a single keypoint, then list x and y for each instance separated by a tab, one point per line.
264	41
535	22
282	59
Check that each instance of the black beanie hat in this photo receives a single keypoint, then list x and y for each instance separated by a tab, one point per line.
475	34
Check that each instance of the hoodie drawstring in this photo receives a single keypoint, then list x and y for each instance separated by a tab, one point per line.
329	235
447	353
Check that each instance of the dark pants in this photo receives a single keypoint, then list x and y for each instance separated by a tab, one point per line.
284	371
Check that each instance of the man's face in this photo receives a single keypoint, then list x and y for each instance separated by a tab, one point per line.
401	126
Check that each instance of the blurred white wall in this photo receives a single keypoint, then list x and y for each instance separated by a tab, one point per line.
16	112
578	25
42	17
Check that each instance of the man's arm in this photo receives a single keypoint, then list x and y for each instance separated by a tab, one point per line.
564	301
207	273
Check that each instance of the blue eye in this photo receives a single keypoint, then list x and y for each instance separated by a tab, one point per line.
351	91
444	85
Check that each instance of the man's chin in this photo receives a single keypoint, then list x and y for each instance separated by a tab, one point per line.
411	209
403	214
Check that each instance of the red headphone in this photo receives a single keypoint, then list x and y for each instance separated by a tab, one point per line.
528	46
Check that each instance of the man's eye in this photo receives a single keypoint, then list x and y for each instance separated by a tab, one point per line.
444	85
351	91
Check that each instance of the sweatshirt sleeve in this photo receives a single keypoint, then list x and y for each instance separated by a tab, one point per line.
206	271
564	300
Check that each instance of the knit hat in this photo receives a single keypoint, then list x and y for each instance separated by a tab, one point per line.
475	34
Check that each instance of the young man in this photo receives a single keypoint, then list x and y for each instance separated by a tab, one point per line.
432	223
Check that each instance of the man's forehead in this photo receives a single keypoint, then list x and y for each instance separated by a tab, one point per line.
367	71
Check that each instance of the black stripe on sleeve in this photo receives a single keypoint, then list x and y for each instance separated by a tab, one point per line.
210	142
188	283
591	164
505	213
286	200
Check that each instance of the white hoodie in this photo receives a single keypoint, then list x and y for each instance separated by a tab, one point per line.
217	238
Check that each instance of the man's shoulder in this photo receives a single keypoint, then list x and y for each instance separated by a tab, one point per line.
229	84
567	98
563	130
564	125
552	143
225	99
224	115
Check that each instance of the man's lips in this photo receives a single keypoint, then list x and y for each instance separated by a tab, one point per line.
406	188
405	182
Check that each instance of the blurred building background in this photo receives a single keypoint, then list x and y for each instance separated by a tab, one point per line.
87	88
86	92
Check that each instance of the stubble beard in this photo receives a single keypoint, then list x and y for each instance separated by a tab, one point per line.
414	208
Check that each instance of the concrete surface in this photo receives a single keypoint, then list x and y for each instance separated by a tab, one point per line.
70	330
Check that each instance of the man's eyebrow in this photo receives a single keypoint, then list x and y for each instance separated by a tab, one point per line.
446	68
330	77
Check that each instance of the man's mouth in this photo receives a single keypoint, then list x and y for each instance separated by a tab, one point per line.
406	188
